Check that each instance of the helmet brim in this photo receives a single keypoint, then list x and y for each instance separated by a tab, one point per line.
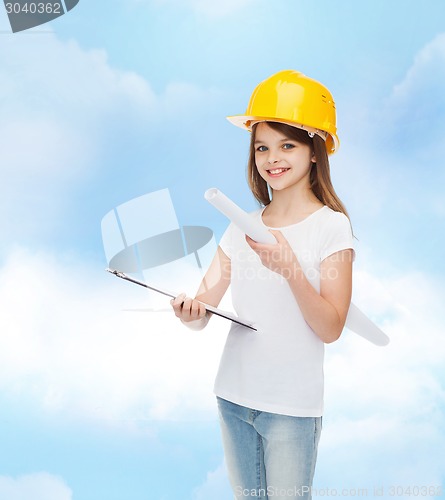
246	122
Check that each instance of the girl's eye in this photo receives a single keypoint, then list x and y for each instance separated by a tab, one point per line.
261	149
288	146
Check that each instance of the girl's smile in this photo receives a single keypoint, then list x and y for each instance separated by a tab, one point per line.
276	172
282	162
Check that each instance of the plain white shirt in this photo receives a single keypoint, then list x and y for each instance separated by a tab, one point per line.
278	369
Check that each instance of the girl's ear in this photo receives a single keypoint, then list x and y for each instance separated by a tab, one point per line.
313	158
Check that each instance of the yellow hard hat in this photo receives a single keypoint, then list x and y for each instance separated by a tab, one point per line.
293	98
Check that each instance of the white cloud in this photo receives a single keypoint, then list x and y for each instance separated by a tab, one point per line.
211	10
216	486
54	82
39	486
60	107
383	422
392	147
416	108
220	9
384	406
419	77
68	346
68	110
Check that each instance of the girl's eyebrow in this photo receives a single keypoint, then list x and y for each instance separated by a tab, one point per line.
281	140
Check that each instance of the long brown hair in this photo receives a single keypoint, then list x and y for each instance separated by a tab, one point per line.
320	175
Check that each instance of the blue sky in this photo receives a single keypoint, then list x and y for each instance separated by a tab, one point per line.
118	99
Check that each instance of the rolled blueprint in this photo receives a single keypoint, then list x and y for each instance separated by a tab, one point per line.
356	321
359	323
243	220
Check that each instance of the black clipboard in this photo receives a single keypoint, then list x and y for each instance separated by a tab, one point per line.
213	310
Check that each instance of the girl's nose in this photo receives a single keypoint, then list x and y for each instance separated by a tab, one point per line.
273	159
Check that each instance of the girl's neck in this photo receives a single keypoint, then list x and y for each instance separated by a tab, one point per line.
288	202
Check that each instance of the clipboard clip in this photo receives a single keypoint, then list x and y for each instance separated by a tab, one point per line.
119	274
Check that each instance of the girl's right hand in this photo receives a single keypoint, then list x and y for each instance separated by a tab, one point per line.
188	309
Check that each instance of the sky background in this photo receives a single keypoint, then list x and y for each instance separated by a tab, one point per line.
122	98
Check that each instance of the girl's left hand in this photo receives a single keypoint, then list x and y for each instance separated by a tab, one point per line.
279	258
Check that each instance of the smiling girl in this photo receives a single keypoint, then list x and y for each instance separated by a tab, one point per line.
269	385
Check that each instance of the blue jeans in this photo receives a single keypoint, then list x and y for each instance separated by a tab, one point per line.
268	456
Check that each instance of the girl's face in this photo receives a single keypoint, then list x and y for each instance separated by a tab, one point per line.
282	162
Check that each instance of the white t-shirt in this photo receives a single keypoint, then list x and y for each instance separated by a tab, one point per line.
279	368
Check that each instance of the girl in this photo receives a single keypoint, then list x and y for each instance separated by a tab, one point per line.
269	385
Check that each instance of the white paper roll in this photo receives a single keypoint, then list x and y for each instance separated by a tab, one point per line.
359	323
243	220
356	320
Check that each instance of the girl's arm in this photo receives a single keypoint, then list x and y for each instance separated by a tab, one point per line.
325	312
211	290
